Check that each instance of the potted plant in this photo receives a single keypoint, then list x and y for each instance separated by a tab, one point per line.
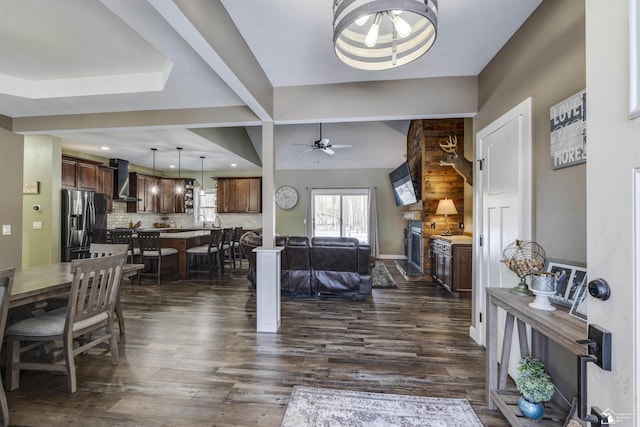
535	385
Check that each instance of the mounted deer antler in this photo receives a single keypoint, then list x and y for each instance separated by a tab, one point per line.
461	165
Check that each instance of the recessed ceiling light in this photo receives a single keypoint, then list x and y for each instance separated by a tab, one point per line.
172	166
233	165
104	148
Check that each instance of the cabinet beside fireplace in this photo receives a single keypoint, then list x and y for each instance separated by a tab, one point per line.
450	259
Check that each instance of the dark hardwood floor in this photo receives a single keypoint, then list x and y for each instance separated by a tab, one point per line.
191	357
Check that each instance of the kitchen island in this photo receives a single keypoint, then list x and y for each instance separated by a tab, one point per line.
183	240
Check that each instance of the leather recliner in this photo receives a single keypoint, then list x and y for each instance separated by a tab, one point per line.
340	266
329	266
298	258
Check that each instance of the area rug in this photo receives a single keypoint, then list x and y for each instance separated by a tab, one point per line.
381	278
310	406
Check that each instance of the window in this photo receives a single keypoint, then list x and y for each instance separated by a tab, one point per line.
206	210
340	213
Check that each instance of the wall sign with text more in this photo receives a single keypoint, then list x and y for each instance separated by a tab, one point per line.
568	120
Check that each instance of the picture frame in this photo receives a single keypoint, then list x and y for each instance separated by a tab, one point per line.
569	276
579	307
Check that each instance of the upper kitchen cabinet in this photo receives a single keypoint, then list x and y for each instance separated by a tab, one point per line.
106	185
167	195
80	174
140	187
240	195
165	200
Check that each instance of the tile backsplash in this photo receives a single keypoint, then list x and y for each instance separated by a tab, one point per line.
120	218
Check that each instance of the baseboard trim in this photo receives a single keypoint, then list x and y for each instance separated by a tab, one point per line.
392	257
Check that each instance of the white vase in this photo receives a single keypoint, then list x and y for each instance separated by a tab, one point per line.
543	287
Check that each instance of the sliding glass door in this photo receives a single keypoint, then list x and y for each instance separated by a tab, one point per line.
341	213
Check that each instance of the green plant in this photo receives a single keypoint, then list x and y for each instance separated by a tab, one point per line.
533	382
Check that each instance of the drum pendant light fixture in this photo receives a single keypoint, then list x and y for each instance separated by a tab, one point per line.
179	183
383	34
154	186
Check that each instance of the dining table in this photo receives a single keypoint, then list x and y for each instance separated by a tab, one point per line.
40	283
35	284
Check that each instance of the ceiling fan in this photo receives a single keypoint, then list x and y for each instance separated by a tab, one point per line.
324	144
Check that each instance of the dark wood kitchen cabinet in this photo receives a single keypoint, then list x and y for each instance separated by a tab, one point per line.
167	195
140	186
165	200
239	195
80	174
105	185
450	258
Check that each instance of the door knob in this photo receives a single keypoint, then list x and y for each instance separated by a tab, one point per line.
599	288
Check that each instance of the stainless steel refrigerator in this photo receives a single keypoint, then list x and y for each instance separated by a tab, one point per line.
84	221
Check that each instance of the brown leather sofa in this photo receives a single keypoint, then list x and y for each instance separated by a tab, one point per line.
326	266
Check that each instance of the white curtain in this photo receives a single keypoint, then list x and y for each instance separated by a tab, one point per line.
309	213
373	223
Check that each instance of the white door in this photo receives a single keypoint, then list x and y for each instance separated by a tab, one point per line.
503	203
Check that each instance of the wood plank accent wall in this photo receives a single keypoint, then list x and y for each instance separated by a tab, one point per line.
436	182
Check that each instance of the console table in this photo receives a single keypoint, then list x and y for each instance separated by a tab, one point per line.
556	325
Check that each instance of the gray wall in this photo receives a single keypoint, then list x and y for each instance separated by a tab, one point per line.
545	60
390	223
11	160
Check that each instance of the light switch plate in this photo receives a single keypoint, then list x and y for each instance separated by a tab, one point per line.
6	229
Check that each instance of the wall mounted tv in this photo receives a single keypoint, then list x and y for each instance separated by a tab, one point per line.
402	185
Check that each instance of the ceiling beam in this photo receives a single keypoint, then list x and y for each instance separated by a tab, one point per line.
207	27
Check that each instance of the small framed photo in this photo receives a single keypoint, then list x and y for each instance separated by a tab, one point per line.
579	307
569	276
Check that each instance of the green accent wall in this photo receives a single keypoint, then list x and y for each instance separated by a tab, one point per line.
11	146
42	164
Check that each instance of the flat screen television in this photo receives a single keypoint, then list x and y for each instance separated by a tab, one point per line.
402	185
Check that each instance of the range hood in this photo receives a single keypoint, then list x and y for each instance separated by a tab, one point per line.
121	181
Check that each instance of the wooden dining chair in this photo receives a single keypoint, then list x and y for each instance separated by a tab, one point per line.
94	289
207	256
97	250
150	249
6	284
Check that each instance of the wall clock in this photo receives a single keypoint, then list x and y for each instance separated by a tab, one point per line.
286	197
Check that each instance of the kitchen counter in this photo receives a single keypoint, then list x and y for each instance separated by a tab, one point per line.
455	239
185	234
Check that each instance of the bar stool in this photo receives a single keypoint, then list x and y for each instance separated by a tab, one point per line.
124	237
205	255
226	249
235	246
150	249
